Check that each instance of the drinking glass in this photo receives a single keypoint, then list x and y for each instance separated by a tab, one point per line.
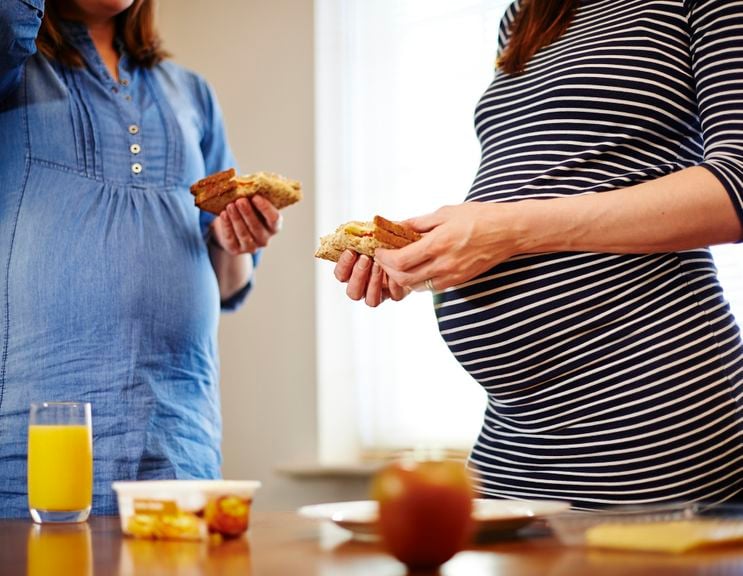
60	462
59	549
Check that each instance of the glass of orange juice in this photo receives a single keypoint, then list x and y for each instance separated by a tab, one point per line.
60	462
59	549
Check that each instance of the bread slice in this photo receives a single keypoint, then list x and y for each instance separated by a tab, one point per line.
365	238
216	191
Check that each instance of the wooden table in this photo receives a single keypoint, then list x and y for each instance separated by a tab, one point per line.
282	544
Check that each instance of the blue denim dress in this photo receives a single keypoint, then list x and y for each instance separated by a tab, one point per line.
107	293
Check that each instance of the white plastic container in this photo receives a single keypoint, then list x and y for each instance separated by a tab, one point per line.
185	509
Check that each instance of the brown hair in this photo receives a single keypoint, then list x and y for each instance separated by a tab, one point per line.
537	24
135	26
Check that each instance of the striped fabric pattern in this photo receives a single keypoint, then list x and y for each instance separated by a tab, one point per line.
611	379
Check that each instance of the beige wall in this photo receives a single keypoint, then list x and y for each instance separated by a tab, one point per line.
258	56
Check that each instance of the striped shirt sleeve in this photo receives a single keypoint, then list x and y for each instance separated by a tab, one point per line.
504	30
716	28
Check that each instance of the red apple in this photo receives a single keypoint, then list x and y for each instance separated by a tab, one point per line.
425	510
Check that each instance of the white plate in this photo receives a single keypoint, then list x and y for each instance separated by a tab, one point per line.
490	516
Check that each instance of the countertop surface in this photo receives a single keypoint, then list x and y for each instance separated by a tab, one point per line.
282	543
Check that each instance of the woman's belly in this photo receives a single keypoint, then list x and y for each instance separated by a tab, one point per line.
112	300
525	329
102	270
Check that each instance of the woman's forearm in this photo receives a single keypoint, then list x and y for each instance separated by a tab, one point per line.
233	272
685	210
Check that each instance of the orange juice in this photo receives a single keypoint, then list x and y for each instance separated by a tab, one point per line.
60	467
59	549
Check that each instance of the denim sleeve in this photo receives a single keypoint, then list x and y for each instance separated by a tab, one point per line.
218	156
20	21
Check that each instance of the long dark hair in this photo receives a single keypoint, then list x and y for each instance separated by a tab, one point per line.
135	26
537	24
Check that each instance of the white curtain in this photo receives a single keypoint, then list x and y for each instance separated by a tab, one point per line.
397	83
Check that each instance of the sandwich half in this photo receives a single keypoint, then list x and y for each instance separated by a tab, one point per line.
365	238
216	191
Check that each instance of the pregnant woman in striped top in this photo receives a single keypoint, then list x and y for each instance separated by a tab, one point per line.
575	284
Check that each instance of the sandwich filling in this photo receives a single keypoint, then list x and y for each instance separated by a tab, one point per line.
359	228
365	238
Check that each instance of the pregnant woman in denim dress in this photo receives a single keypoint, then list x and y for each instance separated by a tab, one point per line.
111	280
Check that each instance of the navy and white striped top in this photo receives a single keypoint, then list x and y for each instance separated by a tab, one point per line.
611	379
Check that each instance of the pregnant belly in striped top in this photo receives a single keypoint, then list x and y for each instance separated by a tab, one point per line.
608	377
611	378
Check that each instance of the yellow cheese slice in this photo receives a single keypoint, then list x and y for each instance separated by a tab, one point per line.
672	536
359	228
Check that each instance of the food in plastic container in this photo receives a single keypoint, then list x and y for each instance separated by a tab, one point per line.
185	509
671	528
674	536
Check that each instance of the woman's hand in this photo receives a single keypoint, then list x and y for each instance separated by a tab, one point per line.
246	225
459	243
367	280
241	229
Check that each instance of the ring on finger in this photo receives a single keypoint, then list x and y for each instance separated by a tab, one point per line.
429	284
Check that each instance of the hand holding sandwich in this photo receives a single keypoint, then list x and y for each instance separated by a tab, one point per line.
246	225
247	209
447	247
458	243
353	245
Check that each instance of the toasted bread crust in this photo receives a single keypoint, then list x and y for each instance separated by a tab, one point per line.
396	229
206	182
216	191
388	239
213	185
